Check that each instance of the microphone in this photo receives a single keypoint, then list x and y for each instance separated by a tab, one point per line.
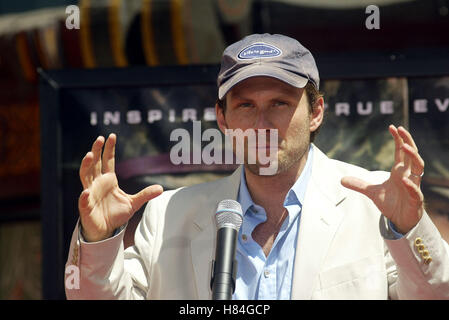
229	218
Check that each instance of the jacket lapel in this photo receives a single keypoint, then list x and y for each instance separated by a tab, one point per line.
203	243
320	218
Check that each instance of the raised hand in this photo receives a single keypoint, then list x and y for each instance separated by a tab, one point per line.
103	206
399	198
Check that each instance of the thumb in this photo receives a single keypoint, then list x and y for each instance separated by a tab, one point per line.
145	195
83	201
358	185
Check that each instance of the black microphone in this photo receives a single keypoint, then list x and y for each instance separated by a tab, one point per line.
229	218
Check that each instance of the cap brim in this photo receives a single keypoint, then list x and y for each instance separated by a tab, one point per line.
258	70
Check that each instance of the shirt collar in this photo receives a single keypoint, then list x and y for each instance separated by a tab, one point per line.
295	195
244	197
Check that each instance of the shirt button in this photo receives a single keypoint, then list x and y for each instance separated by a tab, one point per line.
244	237
266	273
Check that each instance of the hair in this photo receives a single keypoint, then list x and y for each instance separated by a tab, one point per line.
313	94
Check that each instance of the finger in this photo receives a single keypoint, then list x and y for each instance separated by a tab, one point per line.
407	137
417	161
408	140
413	190
108	161
358	185
96	150
145	195
83	201
85	170
417	167
398	154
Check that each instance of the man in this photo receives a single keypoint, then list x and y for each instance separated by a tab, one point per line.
315	229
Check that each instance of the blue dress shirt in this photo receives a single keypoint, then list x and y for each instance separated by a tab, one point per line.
269	278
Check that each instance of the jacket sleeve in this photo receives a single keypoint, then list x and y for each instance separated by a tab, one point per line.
418	263
104	270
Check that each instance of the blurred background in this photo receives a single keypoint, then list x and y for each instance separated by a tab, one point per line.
127	51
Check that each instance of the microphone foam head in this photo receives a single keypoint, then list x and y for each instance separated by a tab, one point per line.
229	214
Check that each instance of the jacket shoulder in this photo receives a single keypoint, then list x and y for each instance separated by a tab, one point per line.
348	169
338	169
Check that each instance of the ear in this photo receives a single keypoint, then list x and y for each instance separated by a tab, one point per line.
221	120
316	118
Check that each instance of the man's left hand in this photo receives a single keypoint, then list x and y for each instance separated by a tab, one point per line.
399	198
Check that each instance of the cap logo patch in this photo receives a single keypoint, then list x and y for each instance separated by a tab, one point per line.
258	51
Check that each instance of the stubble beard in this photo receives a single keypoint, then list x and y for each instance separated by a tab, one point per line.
288	155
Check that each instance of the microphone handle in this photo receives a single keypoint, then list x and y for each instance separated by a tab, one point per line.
223	281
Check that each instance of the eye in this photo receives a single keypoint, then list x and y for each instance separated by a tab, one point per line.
280	103
245	105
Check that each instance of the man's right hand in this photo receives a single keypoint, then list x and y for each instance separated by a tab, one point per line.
103	206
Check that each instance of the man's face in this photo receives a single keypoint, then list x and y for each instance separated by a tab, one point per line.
268	103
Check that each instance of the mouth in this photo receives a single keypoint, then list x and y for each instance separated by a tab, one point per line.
265	147
262	151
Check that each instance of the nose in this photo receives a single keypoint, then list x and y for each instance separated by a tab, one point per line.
263	120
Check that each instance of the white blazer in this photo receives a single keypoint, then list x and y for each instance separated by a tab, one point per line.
345	248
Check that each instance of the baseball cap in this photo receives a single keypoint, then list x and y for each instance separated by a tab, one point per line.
271	55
